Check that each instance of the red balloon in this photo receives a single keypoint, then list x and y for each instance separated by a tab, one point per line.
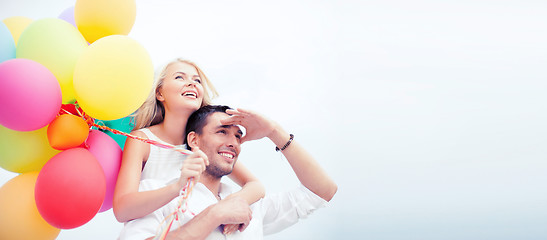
70	188
109	155
68	108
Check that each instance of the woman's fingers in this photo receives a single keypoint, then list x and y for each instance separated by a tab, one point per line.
199	154
202	156
194	167
230	228
192	170
195	164
196	161
188	173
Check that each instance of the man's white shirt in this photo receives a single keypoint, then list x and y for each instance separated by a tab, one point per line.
271	214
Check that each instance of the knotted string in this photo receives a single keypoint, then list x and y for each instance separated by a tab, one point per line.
182	207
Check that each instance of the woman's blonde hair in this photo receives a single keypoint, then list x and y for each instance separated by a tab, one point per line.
152	111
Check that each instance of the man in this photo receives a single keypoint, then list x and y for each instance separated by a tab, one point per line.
213	130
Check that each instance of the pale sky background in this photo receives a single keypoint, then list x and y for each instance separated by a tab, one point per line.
429	115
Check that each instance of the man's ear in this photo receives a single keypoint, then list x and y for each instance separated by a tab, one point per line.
193	139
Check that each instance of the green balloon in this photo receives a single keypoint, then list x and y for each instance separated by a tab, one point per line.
57	45
23	152
123	125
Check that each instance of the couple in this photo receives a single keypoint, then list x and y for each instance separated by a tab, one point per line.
146	193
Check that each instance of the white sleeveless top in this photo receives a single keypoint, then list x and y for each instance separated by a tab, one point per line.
162	164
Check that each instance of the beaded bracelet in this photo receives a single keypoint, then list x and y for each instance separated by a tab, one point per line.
286	144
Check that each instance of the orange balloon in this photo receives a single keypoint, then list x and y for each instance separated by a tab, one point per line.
67	131
20	218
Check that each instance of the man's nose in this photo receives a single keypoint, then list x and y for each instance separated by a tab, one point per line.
233	142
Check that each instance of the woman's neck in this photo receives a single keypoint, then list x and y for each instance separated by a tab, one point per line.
172	129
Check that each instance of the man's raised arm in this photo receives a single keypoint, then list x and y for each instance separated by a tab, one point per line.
308	171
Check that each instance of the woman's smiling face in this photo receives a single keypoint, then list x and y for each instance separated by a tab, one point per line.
181	87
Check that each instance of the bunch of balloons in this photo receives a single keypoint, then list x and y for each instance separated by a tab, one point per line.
68	171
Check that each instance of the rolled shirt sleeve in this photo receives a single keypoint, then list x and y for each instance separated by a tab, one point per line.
285	209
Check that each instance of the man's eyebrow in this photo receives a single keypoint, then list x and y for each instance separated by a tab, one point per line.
228	127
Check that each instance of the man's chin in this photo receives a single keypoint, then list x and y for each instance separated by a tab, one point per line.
218	172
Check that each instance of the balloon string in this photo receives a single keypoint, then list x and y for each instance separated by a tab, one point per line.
91	122
182	207
67	112
184	193
146	140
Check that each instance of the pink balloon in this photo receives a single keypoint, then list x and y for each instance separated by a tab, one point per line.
70	189
30	95
68	15
109	155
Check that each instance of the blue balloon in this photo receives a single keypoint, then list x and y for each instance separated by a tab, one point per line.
7	45
122	124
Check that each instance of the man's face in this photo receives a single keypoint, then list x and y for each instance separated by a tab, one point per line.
221	144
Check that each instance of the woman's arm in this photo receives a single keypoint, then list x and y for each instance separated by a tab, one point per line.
128	202
252	189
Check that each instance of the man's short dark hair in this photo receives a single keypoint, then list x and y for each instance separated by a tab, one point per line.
198	119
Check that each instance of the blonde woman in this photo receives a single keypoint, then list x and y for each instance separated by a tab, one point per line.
180	89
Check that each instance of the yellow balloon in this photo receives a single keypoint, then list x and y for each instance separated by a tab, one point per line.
100	18
16	25
56	44
22	152
113	77
20	218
